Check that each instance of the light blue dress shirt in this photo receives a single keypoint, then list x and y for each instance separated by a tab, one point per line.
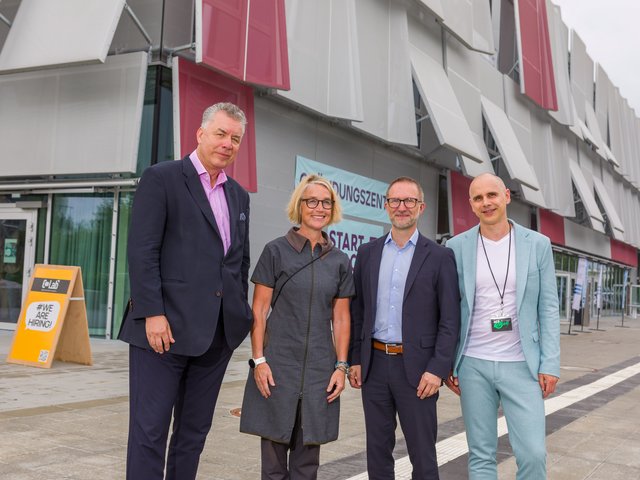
394	267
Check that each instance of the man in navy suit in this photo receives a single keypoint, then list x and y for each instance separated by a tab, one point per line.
405	326
188	266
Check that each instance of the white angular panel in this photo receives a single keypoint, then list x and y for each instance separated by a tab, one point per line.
512	154
559	36
49	34
324	68
470	22
610	210
444	110
385	69
561	174
586	194
602	100
594	128
581	74
435	6
471	168
87	117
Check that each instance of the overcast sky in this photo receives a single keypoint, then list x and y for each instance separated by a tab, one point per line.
611	31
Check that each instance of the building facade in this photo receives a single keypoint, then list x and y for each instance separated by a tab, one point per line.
362	91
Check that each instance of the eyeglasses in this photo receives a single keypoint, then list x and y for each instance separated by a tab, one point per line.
408	202
327	204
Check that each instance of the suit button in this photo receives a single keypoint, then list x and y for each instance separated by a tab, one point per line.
218	293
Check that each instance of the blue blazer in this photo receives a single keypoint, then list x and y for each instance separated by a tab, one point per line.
177	265
430	309
537	297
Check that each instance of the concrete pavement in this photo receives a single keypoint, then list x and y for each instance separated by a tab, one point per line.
70	422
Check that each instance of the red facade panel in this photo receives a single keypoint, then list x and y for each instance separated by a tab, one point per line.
552	225
198	89
463	216
224	34
246	40
623	253
537	63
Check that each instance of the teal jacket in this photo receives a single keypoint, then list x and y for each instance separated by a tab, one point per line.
537	296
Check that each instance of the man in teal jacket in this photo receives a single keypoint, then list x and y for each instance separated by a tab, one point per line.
509	347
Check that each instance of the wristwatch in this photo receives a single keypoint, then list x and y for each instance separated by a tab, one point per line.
254	362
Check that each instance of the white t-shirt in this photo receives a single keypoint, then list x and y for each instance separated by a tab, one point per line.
482	342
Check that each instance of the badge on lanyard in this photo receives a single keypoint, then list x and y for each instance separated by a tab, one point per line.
501	323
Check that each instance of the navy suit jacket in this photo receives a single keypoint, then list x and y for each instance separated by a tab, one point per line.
430	309
177	265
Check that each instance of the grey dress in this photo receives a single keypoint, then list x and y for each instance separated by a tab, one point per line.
299	345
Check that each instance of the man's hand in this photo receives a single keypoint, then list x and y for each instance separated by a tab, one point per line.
159	333
264	379
429	385
355	376
547	384
452	383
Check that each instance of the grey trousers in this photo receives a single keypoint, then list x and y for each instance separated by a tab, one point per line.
303	461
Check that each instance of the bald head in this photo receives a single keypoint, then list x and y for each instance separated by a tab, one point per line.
489	197
487	179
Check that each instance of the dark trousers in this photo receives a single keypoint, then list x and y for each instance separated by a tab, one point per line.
303	459
385	393
162	384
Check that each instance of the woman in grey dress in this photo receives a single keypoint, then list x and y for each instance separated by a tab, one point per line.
299	352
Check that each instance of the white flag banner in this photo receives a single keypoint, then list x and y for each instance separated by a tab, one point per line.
581	280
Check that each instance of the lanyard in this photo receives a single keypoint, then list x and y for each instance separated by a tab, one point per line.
504	287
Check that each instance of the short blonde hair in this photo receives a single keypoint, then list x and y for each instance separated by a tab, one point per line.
294	209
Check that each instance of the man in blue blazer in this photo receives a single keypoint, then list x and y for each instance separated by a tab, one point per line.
509	347
405	326
188	266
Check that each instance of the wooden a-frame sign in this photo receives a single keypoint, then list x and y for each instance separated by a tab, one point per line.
53	320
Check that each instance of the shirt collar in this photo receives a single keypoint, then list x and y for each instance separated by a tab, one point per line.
413	239
298	241
197	164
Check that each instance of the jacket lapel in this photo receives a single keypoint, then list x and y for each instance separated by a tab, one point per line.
376	257
197	192
523	251
231	195
469	264
420	254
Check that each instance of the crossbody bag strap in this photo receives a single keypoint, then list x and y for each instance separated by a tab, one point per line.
273	304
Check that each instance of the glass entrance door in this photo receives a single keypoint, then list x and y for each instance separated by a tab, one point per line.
17	244
564	294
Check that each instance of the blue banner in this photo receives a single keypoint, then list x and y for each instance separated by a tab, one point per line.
360	196
349	235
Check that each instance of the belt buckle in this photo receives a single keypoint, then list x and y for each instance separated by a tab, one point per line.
386	348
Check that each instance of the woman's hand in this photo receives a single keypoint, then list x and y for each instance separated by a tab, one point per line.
336	385
264	379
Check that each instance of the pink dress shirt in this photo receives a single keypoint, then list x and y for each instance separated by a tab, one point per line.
216	198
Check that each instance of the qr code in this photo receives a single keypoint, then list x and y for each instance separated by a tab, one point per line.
44	355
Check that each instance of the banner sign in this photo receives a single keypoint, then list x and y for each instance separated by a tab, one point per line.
625	280
360	196
349	235
599	289
581	280
53	320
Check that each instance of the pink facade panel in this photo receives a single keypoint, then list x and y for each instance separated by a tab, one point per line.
463	216
246	40
552	225
224	33
200	88
623	253
267	55
536	62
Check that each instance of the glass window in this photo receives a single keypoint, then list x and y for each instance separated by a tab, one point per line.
121	291
156	131
81	236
